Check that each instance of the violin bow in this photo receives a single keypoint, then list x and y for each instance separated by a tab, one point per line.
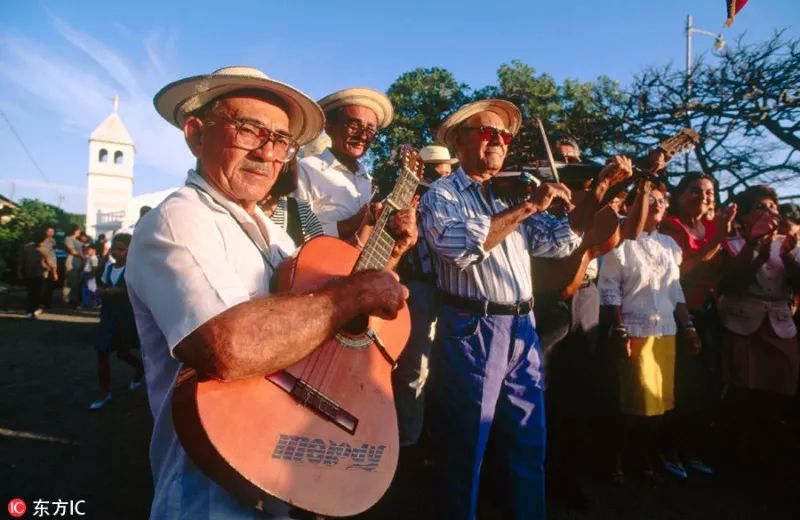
550	159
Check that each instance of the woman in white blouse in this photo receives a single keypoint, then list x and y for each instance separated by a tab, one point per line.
640	281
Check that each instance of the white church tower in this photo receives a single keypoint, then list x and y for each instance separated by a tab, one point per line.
110	175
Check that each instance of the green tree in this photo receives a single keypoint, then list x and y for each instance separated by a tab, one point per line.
422	98
535	96
580	109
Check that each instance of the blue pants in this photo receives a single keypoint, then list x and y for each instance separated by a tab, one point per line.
486	379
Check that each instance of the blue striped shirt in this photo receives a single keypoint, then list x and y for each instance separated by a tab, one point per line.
456	219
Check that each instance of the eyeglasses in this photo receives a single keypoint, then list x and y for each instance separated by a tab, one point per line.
658	201
355	128
489	132
252	136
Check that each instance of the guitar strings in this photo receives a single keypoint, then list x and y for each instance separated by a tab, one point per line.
324	361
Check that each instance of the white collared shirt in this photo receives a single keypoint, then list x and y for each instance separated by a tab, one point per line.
643	276
333	191
192	257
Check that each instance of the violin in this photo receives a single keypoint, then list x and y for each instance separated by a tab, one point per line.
564	276
515	184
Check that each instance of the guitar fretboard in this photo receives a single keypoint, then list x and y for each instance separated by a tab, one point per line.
378	249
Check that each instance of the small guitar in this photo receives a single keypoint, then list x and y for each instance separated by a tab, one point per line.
321	434
564	276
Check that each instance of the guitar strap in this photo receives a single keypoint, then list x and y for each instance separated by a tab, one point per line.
294	228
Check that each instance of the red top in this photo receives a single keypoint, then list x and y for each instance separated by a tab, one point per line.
701	280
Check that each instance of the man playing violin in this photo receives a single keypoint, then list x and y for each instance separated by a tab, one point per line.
486	377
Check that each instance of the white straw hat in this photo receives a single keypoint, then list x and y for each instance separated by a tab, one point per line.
184	96
435	154
363	97
508	112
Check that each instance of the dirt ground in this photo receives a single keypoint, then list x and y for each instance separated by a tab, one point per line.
52	447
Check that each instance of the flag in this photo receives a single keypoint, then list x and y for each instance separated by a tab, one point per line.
733	6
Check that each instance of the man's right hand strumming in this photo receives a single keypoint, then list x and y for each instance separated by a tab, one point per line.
375	292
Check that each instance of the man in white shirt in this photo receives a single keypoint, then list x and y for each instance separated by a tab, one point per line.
335	183
200	264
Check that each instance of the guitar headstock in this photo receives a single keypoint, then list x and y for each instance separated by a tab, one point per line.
685	139
411	161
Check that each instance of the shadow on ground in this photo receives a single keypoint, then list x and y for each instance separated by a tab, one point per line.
52	447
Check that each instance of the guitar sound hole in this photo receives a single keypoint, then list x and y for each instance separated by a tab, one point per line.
357	326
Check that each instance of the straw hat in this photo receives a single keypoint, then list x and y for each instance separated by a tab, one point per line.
435	154
363	97
507	111
184	96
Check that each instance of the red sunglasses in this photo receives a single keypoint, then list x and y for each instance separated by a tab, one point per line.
489	132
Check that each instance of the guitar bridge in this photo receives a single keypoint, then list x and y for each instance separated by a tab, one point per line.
315	400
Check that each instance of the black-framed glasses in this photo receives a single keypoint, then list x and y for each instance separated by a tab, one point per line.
251	135
356	128
490	132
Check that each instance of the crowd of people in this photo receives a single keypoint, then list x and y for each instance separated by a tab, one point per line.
682	329
38	267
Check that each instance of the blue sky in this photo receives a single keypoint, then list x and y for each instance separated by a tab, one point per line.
62	61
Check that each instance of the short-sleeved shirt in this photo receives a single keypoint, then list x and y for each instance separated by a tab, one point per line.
73	261
333	191
643	277
192	257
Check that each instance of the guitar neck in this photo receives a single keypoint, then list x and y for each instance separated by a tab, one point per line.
378	248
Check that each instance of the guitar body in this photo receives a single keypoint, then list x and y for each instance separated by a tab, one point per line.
321	434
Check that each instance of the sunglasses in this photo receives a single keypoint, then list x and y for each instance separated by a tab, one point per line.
489	132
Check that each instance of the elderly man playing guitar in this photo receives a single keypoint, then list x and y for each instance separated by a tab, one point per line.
200	265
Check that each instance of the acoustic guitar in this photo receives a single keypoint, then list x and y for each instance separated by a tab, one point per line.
564	276
321	434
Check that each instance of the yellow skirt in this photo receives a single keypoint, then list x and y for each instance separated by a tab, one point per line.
647	378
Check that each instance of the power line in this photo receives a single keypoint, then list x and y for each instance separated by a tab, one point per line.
22	143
